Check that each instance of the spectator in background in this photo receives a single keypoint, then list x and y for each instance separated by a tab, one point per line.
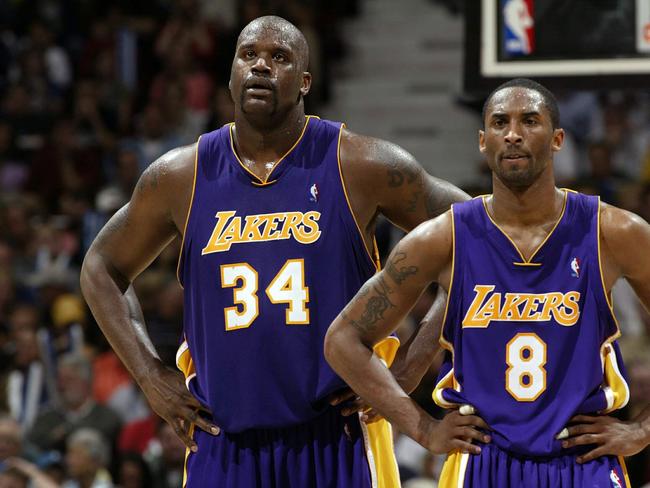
153	137
30	126
65	164
603	176
55	58
87	458
166	458
43	95
65	335
123	181
25	390
134	472
626	140
23	474
13	171
94	128
77	409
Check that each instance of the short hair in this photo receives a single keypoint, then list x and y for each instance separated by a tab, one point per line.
92	442
550	102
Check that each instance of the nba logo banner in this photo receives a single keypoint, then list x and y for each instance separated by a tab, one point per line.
518	27
643	26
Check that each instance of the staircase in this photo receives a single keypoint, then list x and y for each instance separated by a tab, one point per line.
400	81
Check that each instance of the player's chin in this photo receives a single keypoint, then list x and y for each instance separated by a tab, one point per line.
262	104
517	177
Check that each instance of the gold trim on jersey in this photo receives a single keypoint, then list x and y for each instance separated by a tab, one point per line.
616	390
453	471
524	261
386	349
449	380
373	259
187	456
380	455
443	341
185	363
187	216
265	181
621	460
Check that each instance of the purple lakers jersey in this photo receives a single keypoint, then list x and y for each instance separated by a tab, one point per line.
530	342
266	266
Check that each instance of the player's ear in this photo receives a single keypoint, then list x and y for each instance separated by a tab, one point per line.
481	141
306	83
558	139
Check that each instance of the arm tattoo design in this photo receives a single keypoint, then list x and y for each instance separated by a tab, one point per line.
376	305
395	178
399	274
398	174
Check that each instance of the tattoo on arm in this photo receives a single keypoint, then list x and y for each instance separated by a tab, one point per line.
399	274
400	174
376	305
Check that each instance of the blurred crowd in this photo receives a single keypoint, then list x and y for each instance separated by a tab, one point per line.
90	94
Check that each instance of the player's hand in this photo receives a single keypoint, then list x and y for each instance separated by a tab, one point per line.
354	404
169	397
610	435
456	431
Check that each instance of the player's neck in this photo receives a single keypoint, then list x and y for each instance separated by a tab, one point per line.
261	144
537	204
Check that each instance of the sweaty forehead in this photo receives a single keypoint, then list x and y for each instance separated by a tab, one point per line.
277	33
516	100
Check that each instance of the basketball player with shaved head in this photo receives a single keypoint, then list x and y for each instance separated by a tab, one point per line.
277	213
529	327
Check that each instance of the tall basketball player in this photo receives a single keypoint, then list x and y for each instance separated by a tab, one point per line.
277	213
529	328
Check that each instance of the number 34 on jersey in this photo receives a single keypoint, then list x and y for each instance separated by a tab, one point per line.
287	287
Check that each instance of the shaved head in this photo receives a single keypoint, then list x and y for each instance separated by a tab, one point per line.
282	29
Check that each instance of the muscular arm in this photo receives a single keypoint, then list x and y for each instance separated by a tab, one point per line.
381	177
624	242
625	251
380	305
128	243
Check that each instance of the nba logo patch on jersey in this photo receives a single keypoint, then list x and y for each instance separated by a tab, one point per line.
518	26
575	268
616	481
313	193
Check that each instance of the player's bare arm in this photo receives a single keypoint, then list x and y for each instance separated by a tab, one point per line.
128	243
421	257
381	177
416	355
625	240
